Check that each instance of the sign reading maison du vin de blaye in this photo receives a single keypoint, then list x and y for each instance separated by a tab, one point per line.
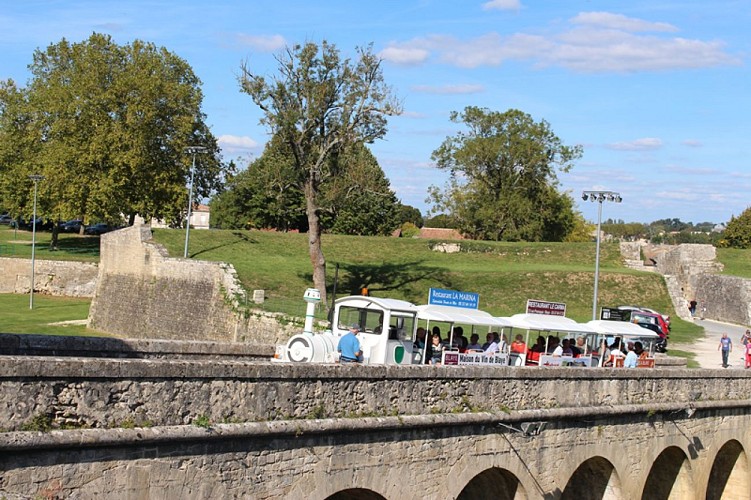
453	298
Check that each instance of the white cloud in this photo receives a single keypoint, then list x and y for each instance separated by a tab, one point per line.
645	144
692	143
263	43
502	5
404	55
234	143
593	42
449	89
620	22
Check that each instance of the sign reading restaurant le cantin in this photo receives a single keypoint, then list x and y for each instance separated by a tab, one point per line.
549	308
453	298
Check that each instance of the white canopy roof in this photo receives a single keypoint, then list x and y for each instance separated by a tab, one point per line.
545	322
620	328
448	314
368	302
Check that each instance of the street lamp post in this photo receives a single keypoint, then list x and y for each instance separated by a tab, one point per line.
36	178
599	197
191	150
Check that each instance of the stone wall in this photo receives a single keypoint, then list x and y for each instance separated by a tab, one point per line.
102	393
52	277
108	347
242	430
144	293
726	298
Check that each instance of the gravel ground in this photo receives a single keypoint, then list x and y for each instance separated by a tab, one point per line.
705	348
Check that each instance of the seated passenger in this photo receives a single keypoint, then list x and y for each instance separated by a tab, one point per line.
420	340
474	345
437	350
518	345
492	344
554	343
580	347
566	347
539	345
639	350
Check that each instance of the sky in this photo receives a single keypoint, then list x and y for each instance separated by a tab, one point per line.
656	92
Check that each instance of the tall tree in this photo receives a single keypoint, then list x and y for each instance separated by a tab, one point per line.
358	200
107	126
318	103
738	231
503	183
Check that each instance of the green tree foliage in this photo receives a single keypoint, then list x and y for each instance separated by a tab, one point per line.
738	231
317	104
408	213
357	201
107	126
442	221
503	183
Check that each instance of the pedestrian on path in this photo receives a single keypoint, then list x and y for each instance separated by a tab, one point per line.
726	345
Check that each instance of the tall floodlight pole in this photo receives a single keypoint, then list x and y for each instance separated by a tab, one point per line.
599	197
36	178
191	150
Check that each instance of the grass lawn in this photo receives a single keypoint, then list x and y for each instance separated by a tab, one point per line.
16	317
737	262
17	243
505	275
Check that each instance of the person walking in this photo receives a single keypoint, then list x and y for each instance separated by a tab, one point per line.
726	345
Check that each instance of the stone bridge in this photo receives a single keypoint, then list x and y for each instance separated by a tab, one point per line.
198	429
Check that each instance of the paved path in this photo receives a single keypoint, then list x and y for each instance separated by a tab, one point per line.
705	348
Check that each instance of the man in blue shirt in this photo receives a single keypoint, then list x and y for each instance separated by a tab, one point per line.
349	346
727	347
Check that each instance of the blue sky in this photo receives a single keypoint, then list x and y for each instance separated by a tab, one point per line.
657	92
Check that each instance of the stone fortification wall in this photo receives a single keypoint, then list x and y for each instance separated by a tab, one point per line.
144	293
106	347
726	298
52	277
103	393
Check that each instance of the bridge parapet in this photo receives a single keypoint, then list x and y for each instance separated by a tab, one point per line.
263	430
104	393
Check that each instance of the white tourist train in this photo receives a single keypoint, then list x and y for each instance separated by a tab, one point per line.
388	334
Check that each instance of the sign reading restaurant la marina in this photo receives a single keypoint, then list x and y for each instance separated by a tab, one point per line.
548	308
453	298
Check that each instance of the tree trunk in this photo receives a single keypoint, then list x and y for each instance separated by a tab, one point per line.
314	239
55	232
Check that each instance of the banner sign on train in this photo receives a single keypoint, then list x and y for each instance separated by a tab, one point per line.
453	298
548	308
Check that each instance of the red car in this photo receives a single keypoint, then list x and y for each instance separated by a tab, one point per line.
651	318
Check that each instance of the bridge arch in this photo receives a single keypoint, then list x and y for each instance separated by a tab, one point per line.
356	494
729	477
494	483
669	477
595	479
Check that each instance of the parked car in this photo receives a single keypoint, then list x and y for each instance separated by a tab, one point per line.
97	229
665	317
71	226
6	219
651	318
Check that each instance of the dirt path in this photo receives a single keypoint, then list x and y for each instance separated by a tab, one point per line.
705	348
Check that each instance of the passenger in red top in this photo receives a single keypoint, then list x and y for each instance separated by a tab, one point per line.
518	345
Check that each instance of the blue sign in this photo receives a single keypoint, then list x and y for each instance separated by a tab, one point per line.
453	298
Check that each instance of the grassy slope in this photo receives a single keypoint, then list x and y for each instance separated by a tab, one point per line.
737	262
504	274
